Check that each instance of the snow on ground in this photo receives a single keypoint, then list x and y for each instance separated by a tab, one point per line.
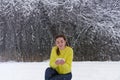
80	70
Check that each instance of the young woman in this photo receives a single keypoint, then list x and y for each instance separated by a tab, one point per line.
60	60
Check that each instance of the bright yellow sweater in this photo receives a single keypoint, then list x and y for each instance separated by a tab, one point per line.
67	55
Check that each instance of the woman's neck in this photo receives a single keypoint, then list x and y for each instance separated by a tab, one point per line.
62	48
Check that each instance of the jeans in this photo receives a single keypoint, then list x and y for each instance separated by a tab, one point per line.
51	74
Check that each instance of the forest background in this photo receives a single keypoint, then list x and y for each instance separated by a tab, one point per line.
28	28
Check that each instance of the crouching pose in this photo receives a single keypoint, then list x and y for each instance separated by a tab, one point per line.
60	60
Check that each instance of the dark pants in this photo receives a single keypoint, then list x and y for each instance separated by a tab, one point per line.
51	74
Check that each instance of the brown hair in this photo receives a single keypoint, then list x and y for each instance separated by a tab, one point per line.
57	50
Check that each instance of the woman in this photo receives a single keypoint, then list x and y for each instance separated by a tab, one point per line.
60	60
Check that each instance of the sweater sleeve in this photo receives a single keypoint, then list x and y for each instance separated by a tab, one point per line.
53	58
68	62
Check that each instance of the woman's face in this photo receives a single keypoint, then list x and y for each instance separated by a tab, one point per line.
60	43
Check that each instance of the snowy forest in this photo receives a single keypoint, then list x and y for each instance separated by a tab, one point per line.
28	28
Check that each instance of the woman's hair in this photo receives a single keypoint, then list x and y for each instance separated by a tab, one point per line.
57	50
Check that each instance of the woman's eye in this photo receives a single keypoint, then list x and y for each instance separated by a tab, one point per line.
57	42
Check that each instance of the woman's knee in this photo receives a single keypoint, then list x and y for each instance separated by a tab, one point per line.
50	70
62	77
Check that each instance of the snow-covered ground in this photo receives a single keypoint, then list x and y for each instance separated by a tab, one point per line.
80	70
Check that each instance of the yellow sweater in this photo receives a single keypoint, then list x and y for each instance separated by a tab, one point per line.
67	55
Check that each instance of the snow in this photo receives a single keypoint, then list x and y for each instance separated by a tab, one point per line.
80	70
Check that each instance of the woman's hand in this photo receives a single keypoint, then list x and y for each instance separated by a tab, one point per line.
60	61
